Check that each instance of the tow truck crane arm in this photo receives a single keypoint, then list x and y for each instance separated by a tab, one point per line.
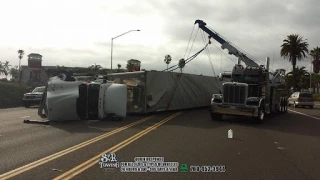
225	45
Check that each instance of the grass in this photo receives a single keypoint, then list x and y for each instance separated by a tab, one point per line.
316	96
11	94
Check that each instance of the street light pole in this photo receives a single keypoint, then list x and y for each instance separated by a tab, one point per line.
111	51
115	38
310	74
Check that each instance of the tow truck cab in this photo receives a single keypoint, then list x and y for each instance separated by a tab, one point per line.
250	93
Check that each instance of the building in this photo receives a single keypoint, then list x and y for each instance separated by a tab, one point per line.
136	64
33	73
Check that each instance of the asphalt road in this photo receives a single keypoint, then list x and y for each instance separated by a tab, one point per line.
286	146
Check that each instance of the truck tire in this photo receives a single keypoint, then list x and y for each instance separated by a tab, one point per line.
285	105
282	107
216	117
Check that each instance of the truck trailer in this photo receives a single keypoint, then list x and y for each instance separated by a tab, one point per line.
153	91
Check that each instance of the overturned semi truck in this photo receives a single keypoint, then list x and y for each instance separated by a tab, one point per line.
141	92
65	98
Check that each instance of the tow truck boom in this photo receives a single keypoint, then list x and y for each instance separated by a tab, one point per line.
225	45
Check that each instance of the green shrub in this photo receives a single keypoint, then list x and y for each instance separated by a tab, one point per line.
11	94
316	96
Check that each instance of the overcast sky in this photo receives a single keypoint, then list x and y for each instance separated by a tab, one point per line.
79	32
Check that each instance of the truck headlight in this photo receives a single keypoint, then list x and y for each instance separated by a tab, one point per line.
216	98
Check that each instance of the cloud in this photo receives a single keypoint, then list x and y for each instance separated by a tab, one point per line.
81	35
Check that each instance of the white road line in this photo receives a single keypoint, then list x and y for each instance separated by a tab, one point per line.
304	114
24	116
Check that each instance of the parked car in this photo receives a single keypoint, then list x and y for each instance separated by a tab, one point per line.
301	99
34	97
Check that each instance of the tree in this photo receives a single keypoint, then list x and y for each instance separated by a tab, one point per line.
6	68
315	81
278	71
302	78
1	68
130	67
20	56
119	66
181	64
14	72
294	48
315	54
167	60
95	67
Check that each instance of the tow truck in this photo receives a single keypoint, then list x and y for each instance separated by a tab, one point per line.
253	90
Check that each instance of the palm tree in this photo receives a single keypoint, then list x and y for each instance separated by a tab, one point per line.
181	64
6	68
301	78
21	53
14	73
119	66
315	82
95	67
315	54
294	48
130	67
167	60
1	68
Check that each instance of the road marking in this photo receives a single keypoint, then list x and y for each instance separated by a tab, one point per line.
24	116
304	114
39	162
94	161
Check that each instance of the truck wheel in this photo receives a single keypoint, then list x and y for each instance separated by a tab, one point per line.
285	105
277	109
261	114
216	117
282	104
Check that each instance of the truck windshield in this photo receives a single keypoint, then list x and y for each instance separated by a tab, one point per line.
237	78
305	95
38	89
251	78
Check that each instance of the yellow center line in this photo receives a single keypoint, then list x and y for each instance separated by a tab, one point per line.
44	160
93	161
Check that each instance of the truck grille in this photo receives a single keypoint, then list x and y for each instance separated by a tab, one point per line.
234	94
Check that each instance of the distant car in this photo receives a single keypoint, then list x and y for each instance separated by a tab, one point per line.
34	97
301	99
